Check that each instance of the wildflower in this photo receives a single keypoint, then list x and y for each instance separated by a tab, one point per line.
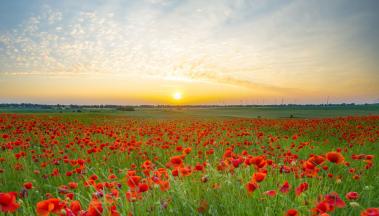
301	188
352	195
285	187
334	200
8	202
95	208
292	212
176	161
28	185
143	187
370	212
52	205
335	157
270	193
251	186
259	176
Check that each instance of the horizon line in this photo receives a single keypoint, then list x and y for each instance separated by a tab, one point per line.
191	105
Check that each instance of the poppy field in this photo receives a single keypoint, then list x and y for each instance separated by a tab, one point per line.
92	165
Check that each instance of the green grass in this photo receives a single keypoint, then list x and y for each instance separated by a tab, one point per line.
221	112
217	126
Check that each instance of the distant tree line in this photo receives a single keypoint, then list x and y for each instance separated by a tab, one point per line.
132	108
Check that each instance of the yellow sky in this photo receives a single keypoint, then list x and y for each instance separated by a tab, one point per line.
156	90
220	52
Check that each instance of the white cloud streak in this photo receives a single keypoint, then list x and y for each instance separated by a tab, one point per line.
236	42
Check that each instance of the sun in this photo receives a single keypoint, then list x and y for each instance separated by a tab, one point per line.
177	96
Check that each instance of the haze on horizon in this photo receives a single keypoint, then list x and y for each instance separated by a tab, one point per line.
189	52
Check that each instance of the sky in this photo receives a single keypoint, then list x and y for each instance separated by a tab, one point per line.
189	52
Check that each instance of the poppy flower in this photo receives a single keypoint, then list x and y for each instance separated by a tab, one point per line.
73	185
133	181
95	208
352	196
292	212
285	187
370	157
52	205
259	176
335	157
164	185
75	207
301	188
143	187
185	171
175	172
176	161
187	150
8	202
270	193
251	186
28	185
334	200
370	212
199	167
323	207
314	161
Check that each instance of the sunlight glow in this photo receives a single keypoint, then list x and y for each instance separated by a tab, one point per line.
177	96
223	52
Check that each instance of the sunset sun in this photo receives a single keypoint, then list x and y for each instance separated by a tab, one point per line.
177	96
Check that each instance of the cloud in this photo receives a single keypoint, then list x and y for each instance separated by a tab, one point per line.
253	44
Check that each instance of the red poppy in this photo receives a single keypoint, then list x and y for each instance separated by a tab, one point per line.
75	207
301	188
251	186
95	208
323	207
176	161
143	187
314	161
185	171
271	193
335	157
52	205
352	195
292	212
73	185
370	212
285	187
133	181
164	185
259	176
8	202
28	185
334	200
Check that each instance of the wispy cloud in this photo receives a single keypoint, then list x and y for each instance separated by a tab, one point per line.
254	44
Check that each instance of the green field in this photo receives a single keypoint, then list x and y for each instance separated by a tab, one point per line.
222	112
190	161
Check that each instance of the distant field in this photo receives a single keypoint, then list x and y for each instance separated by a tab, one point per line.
221	112
189	162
